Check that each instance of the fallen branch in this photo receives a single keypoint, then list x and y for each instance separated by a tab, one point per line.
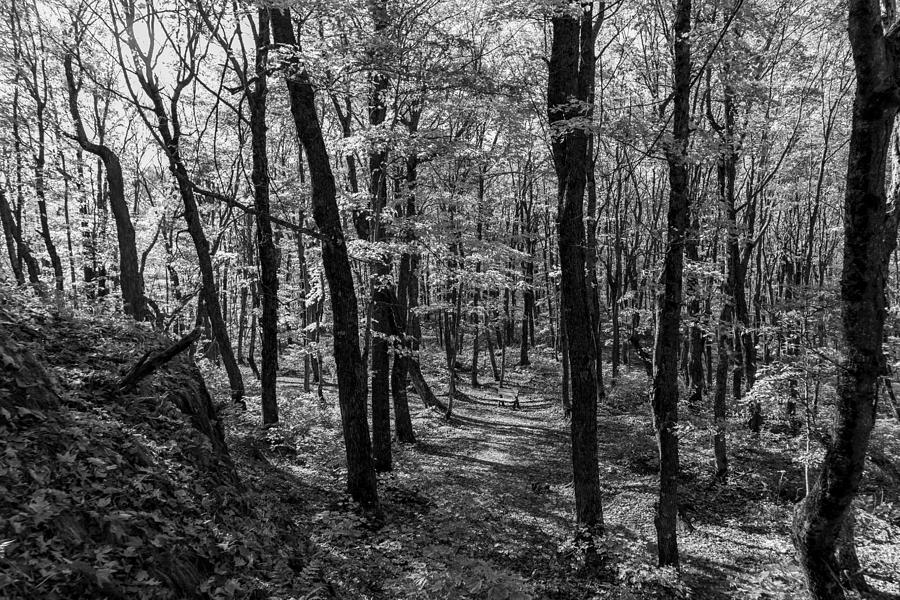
151	361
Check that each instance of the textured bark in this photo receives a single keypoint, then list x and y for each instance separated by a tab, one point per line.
726	339
526	229
668	330
565	393
267	252
40	193
381	270
568	83
131	280
9	234
351	372
696	340
590	258
399	370
720	414
820	518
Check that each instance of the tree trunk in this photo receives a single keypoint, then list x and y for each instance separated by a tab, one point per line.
132	282
267	252
351	371
566	397
402	355
696	340
40	192
381	288
668	328
590	259
818	520
568	89
720	413
9	234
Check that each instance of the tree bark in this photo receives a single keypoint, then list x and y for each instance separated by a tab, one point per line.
381	270
819	519
351	371
131	280
568	89
9	234
668	329
267	252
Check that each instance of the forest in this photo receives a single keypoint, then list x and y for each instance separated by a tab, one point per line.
449	299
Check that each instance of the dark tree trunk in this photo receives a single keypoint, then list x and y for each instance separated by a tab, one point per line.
590	259
381	288
869	234
40	192
402	420
351	371
528	246
565	391
491	356
568	89
402	355
267	252
668	328
720	413
696	340
131	280
9	234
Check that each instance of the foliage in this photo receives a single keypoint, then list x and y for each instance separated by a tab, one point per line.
119	496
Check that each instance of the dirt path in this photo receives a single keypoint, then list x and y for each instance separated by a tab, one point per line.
481	502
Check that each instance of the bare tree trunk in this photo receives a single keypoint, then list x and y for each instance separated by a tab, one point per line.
668	320
572	49
351	371
381	288
870	231
9	234
132	282
267	252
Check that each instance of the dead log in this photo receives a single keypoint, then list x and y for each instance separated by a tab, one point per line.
151	361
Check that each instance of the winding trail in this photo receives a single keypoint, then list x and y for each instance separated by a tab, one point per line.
484	501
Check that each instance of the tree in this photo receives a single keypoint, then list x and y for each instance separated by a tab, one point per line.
351	374
668	329
267	252
132	281
167	132
870	230
568	91
381	287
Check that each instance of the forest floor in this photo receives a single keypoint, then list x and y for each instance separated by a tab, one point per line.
482	505
112	494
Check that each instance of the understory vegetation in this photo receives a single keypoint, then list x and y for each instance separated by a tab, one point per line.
112	495
449	299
